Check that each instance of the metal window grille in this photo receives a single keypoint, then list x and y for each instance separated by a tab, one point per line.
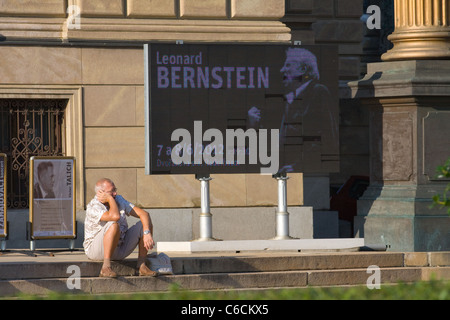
29	127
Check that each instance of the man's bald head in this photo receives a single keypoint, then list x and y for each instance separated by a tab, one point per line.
102	184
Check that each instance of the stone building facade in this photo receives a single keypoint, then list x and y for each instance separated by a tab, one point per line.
89	55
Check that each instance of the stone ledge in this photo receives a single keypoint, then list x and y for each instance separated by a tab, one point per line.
359	276
416	259
161	283
142	30
217	281
439	259
188	30
427	259
55	267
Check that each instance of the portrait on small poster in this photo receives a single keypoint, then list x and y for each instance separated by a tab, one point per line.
3	203
52	197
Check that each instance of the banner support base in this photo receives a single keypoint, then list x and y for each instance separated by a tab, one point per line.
282	216
205	215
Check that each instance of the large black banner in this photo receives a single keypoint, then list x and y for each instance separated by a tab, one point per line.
234	108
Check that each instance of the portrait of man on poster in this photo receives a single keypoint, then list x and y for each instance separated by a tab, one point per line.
43	188
306	115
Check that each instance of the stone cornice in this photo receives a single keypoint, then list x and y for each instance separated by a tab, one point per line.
108	29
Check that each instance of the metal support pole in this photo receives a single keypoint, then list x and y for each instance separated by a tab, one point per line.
282	216
205	214
71	244
29	238
3	240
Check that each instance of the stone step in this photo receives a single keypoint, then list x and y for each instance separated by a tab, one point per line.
188	264
38	275
217	281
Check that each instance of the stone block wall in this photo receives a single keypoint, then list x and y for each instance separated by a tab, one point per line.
42	8
143	20
207	9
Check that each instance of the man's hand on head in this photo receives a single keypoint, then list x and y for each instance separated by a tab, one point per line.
104	197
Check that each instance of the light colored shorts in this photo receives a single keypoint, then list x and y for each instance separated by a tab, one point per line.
123	250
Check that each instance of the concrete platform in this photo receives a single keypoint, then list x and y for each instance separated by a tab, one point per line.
261	245
21	271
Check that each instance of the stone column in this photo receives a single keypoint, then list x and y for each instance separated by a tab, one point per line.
408	96
422	30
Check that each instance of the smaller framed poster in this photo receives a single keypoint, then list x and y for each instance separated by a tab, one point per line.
3	193
52	198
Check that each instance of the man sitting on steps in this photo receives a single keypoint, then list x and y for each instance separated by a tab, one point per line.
107	236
